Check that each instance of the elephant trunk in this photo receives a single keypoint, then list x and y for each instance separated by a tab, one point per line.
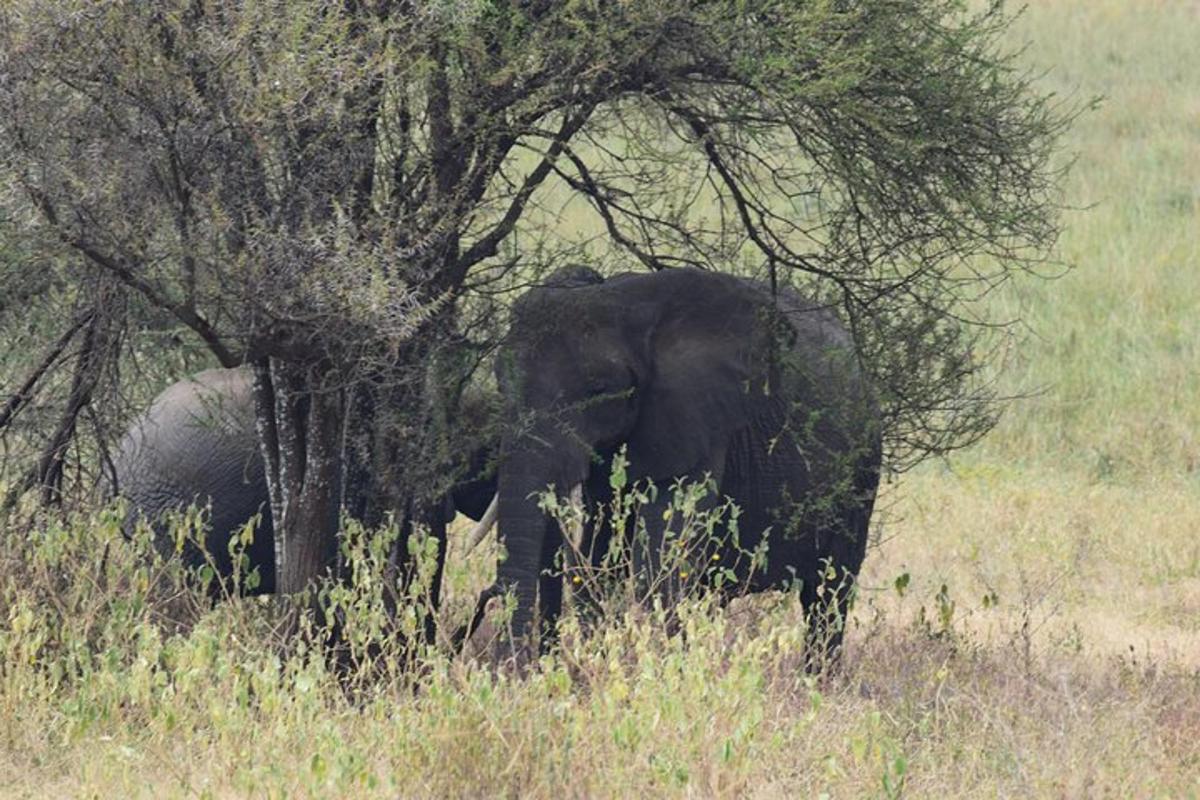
523	531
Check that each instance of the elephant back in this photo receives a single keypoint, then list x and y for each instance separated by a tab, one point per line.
196	444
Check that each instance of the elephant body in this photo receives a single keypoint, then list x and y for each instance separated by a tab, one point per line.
197	444
697	375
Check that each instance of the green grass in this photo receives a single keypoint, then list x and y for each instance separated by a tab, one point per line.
1116	341
1061	658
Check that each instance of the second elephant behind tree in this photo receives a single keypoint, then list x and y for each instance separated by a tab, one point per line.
196	444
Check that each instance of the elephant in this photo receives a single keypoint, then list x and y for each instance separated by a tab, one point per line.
197	444
696	375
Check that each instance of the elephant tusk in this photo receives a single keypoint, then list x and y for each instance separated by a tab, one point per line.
576	497
574	537
485	524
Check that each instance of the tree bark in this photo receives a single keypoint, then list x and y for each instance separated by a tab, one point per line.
300	427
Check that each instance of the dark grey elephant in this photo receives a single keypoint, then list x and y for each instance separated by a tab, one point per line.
696	374
197	444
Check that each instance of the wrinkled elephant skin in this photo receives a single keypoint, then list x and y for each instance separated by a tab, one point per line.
694	373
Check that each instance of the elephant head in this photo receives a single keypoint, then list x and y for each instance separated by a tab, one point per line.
680	368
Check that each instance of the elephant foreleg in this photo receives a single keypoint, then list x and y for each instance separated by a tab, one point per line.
826	602
668	550
437	530
550	584
652	567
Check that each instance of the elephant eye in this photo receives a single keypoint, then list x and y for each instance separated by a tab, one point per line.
610	391
611	383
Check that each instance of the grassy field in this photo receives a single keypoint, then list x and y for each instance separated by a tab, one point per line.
1046	641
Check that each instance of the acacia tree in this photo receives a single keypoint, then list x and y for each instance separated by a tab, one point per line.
337	193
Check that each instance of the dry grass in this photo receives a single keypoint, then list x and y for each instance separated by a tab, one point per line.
1062	658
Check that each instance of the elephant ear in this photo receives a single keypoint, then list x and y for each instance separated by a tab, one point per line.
699	393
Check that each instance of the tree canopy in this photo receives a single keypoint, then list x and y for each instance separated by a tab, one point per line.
334	192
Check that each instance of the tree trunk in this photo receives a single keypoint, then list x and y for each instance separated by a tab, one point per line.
299	427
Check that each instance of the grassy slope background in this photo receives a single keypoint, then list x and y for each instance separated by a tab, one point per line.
1047	642
1094	484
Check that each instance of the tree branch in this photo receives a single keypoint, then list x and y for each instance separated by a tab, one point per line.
488	244
743	206
23	395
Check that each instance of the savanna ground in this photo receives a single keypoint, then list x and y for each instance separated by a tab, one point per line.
1029	623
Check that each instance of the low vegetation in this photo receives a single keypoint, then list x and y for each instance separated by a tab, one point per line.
1028	622
118	679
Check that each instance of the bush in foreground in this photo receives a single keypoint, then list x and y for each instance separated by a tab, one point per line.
120	676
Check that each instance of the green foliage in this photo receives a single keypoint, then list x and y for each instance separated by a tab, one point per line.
700	549
376	617
336	182
115	663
